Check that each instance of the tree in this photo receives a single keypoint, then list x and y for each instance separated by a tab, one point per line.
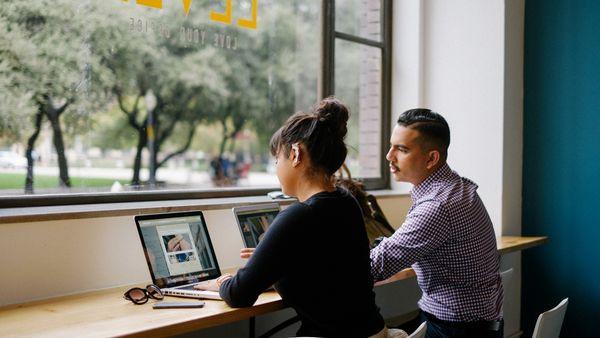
285	56
73	60
15	101
179	79
49	58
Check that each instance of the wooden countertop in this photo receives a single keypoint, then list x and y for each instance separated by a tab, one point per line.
106	313
507	244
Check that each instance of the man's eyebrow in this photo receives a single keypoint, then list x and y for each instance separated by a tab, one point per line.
399	146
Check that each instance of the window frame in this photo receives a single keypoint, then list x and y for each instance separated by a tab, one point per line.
326	85
330	34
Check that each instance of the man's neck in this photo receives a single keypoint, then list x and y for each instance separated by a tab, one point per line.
429	173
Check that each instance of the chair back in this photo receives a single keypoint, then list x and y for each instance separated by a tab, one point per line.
506	276
420	331
549	323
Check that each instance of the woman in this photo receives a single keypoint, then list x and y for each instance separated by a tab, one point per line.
316	251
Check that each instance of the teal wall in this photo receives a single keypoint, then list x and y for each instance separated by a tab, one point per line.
561	163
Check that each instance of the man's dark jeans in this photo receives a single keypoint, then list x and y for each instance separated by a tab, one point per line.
439	329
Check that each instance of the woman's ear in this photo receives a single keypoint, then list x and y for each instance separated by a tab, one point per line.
295	154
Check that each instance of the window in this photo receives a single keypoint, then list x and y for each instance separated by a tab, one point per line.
149	99
359	74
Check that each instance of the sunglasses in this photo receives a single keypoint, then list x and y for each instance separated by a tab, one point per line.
140	296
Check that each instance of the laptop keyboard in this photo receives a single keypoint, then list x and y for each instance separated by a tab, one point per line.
191	286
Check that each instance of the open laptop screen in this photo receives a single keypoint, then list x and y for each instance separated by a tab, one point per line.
254	220
178	248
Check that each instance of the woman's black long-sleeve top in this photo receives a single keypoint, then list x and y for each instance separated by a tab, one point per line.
317	255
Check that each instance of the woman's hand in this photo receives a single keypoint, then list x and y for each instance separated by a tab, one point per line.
246	253
213	285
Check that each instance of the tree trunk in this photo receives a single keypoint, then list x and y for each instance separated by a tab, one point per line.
224	140
232	136
154	143
137	163
29	153
59	146
181	150
154	159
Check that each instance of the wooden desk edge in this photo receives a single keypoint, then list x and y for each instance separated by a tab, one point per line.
209	321
523	243
506	245
269	302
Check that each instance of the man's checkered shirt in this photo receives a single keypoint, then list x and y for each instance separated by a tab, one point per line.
449	241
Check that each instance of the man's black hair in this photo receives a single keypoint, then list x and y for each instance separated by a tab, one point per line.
432	127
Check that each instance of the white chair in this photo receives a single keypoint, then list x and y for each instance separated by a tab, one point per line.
549	323
420	331
506	276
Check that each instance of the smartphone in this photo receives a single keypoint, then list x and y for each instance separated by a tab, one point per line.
177	305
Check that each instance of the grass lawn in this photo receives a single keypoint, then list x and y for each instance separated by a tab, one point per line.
17	181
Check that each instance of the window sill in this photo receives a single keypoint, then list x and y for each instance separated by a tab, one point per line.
79	211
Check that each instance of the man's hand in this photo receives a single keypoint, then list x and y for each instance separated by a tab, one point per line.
246	253
213	285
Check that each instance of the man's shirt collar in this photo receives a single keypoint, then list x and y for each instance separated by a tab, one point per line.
442	173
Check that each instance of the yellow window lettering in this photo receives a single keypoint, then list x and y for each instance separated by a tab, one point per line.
222	17
250	23
150	3
225	17
186	6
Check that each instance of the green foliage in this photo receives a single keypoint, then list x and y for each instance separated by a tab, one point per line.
106	57
15	181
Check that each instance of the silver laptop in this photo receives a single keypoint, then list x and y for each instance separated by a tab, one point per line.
179	253
254	220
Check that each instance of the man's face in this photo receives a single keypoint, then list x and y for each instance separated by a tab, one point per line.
408	160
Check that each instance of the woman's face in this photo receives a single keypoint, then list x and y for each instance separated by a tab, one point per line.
286	172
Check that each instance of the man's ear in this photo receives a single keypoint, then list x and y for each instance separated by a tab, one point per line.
433	158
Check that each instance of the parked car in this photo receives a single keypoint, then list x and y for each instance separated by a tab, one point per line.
9	159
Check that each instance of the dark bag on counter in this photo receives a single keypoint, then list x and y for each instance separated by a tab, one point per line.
376	224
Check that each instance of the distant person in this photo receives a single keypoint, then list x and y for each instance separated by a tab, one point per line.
447	237
320	236
217	173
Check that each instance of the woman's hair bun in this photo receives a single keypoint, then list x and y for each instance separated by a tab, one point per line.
334	114
322	133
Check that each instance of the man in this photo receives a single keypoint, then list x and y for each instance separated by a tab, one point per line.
447	236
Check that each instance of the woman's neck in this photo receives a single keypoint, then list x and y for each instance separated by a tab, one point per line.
308	187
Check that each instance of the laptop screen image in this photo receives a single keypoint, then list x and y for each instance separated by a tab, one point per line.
177	247
254	220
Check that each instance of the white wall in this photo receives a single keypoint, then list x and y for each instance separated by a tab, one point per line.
464	59
463	80
449	57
